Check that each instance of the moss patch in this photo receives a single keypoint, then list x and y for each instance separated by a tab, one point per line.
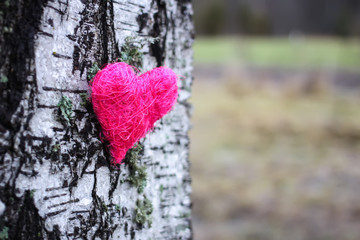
4	233
84	99
143	212
56	147
92	71
131	50
4	79
65	111
137	173
118	207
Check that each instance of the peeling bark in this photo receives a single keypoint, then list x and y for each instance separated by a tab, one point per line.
56	182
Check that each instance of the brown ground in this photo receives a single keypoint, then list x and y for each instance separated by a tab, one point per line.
276	154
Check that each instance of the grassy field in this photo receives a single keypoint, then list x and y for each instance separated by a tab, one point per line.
274	164
280	52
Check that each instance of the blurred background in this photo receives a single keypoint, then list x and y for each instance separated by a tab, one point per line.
275	144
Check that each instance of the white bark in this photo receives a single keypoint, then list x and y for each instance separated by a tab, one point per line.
59	179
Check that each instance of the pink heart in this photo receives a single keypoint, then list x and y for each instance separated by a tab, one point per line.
127	105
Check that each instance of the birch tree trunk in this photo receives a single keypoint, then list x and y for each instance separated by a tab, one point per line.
56	181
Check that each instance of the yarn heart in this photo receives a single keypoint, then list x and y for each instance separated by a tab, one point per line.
128	105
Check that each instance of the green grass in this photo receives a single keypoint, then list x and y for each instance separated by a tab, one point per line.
279	52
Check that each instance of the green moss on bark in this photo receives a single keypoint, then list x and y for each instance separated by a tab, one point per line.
143	211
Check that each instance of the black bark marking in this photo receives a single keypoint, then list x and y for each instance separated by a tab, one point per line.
65	157
41	138
50	22
54	196
31	173
45	88
114	180
63	203
16	58
51	214
116	50
142	20
85	37
104	32
126	29
57	55
55	234
76	58
56	129
132	233
128	24
29	224
126	228
54	189
159	30
78	212
165	175
46	106
16	49
45	34
71	37
56	10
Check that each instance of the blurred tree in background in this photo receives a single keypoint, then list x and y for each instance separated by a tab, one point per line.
213	18
263	17
276	139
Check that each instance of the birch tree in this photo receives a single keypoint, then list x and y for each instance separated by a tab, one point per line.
56	180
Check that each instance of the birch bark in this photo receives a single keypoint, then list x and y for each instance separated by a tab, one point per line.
56	181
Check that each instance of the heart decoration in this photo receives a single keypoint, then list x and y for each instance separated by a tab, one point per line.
128	105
